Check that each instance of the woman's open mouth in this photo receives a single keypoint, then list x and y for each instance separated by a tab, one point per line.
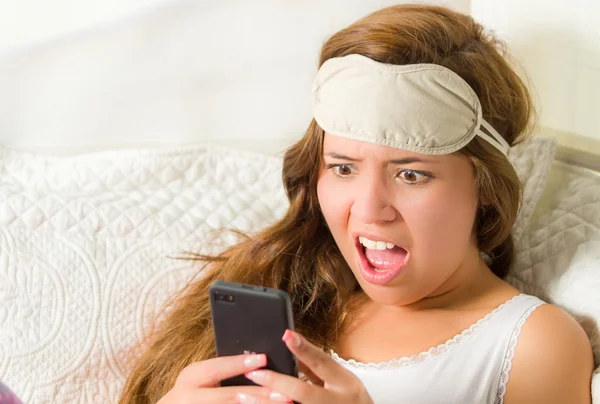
380	262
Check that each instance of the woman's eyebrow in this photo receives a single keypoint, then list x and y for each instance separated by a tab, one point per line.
340	157
409	160
406	160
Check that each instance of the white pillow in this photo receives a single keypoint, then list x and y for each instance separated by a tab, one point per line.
84	254
558	257
532	160
85	244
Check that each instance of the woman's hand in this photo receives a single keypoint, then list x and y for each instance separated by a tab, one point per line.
330	382
199	382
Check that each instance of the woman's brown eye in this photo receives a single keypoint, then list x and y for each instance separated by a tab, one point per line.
344	170
411	176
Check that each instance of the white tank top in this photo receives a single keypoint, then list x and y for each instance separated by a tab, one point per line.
472	367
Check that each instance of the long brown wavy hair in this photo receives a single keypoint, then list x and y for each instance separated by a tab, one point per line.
298	253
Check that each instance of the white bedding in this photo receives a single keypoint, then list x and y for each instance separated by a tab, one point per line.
85	244
84	254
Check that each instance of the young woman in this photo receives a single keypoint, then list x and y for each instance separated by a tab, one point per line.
396	241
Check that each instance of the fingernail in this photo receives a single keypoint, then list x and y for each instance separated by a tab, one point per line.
255	361
286	335
291	339
256	376
279	397
246	398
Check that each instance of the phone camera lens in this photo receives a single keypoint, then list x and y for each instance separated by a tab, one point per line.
224	297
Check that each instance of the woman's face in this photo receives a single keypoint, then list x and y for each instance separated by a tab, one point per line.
403	221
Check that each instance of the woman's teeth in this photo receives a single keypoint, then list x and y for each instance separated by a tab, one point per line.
375	245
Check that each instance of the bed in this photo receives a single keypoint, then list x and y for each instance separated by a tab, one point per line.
124	144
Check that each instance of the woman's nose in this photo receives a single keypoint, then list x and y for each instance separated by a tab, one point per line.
374	203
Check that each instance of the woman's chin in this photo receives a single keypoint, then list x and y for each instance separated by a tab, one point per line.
389	295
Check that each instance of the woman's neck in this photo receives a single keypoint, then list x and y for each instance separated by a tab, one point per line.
471	287
410	329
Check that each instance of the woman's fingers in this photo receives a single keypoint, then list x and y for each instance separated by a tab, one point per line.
221	395
251	399
332	383
210	372
321	365
284	387
235	395
314	379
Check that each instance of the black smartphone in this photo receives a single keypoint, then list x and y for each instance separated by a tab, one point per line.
252	319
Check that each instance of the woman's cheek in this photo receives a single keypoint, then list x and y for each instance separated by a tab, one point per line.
441	227
333	206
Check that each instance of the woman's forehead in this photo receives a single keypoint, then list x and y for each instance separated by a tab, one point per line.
338	146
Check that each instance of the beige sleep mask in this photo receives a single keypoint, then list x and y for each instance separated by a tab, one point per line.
423	108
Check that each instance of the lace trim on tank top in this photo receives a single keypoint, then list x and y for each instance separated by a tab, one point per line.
430	353
510	354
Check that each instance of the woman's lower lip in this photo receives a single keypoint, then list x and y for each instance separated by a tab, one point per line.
369	273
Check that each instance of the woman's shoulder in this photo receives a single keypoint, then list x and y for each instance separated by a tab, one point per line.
553	360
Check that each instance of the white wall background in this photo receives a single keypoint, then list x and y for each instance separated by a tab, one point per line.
234	72
24	22
558	43
51	93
